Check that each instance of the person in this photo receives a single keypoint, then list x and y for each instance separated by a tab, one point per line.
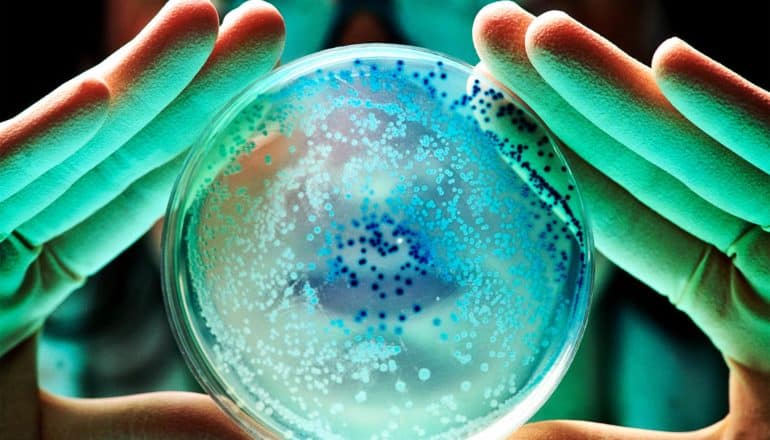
86	171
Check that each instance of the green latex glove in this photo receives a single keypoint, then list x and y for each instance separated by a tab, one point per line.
88	169
673	162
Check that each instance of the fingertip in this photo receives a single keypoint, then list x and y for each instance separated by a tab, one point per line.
200	14
50	130
187	20
720	102
251	36
180	38
257	20
93	93
88	104
676	64
498	35
80	104
557	46
552	32
569	54
672	56
499	25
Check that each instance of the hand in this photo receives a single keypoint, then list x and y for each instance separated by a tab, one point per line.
673	162
86	171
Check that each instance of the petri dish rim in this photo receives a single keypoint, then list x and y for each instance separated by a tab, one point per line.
173	267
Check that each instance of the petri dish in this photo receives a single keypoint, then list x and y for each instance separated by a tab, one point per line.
375	242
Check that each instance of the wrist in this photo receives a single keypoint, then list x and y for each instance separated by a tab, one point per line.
749	415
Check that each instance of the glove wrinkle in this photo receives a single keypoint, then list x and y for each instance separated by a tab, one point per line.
750	252
33	282
734	314
748	335
693	281
749	231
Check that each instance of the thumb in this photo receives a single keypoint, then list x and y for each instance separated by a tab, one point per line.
163	415
579	430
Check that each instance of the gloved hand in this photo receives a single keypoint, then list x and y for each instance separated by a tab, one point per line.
88	169
673	162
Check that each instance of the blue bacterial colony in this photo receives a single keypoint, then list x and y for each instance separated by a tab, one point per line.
379	244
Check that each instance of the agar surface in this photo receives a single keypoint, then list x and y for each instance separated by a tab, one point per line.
384	248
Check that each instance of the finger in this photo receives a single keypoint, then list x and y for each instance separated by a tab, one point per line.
34	280
619	95
579	430
727	107
733	310
248	46
499	32
88	246
163	415
49	131
143	77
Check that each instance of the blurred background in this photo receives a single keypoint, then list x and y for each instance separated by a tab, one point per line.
642	363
